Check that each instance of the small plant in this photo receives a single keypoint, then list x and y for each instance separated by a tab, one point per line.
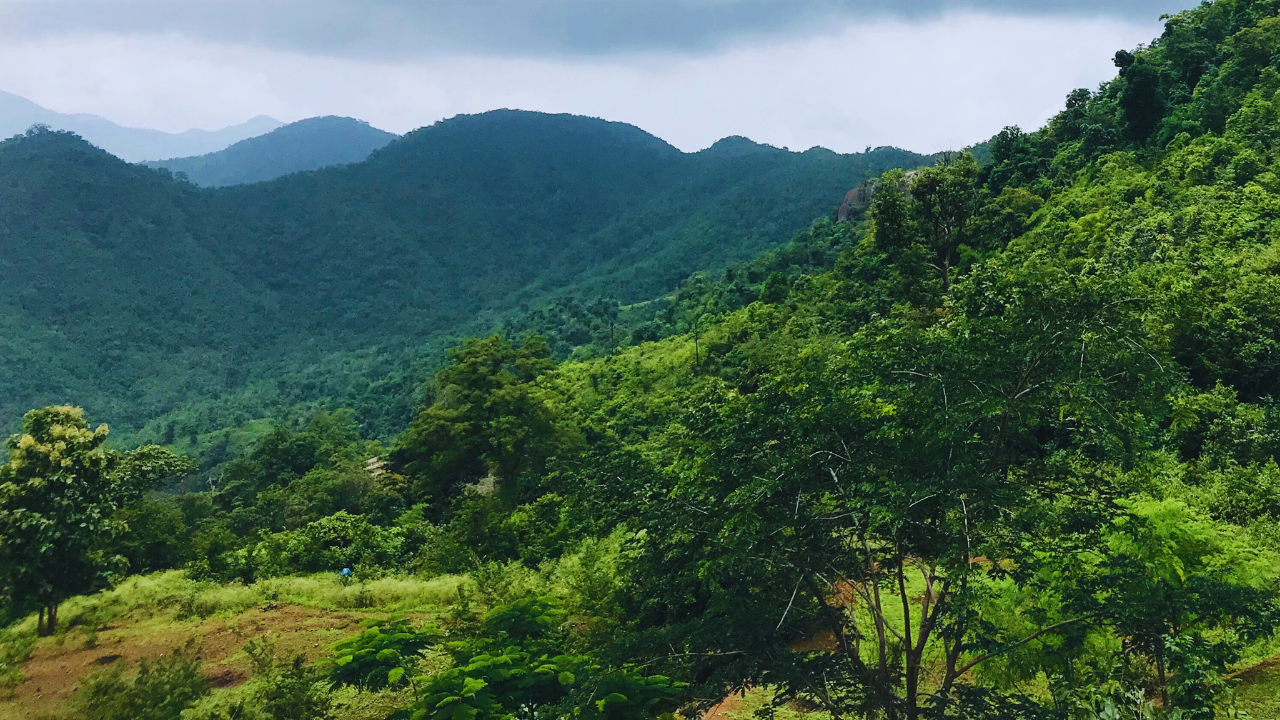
515	666
15	649
161	690
288	690
383	656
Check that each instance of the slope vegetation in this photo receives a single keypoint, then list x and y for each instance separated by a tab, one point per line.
1003	446
138	295
297	147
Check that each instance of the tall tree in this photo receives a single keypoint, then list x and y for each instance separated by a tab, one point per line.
490	418
59	493
945	199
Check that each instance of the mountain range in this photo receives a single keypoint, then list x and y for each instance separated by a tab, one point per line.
156	303
131	144
297	147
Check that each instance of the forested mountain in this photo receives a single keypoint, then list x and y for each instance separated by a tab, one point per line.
132	144
139	295
997	441
304	145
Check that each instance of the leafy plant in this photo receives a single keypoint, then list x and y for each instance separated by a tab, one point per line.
162	689
384	655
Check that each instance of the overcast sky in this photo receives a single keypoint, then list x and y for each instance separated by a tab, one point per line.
844	74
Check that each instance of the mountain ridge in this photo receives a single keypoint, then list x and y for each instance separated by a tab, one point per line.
17	114
448	230
304	145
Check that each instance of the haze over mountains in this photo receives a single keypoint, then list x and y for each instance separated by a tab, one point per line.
194	308
304	145
132	144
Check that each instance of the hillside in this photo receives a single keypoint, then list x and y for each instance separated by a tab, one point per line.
297	147
132	144
228	305
1002	445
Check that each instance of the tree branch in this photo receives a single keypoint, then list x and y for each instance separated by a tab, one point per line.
987	656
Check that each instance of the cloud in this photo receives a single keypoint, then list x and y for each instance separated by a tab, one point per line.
931	83
396	30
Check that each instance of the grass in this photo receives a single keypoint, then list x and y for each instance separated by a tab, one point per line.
173	593
1258	693
746	707
148	616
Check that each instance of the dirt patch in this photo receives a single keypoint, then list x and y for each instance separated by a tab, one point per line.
54	670
824	641
731	704
225	679
1254	673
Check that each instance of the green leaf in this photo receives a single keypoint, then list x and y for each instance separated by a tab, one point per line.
566	678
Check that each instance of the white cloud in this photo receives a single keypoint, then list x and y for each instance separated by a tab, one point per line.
937	84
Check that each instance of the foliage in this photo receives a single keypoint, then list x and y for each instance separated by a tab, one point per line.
58	494
384	655
510	669
161	690
326	545
490	418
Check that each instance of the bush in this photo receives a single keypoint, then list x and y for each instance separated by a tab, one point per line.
288	690
385	655
161	690
326	545
516	665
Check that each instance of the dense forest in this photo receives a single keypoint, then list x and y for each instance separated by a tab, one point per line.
999	440
179	312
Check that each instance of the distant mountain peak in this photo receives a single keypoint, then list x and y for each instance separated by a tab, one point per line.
304	145
739	145
128	143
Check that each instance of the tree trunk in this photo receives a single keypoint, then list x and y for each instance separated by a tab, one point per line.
911	677
1164	688
47	622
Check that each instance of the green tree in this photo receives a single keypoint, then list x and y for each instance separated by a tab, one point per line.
59	494
491	418
1179	589
873	489
944	200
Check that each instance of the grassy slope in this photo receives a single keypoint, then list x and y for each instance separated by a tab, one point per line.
147	616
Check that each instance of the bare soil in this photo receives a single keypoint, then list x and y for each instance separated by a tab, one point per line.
57	665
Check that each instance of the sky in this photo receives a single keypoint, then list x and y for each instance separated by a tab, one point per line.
925	75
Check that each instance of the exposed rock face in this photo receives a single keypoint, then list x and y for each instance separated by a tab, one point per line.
857	199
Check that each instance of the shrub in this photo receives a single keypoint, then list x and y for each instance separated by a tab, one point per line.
385	655
515	665
288	690
326	545
161	690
